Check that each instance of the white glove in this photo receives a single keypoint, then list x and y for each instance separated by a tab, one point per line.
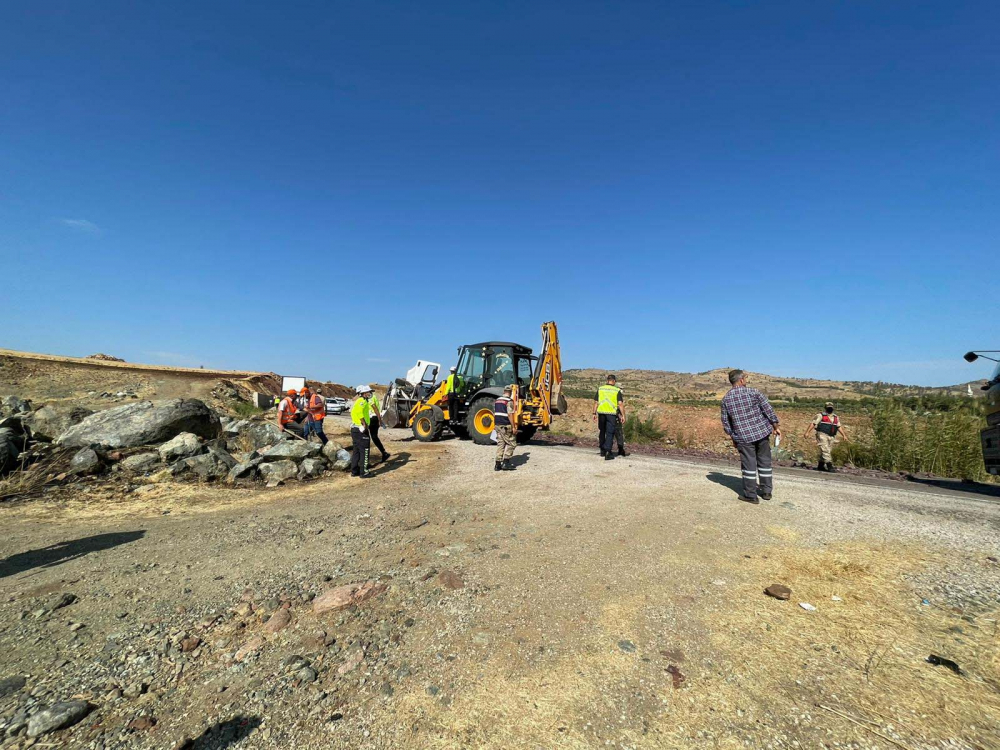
363	429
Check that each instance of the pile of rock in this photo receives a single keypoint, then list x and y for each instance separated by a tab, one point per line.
160	441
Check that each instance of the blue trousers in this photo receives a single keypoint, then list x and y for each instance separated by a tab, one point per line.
315	428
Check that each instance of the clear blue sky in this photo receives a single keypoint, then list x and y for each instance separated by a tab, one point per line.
338	189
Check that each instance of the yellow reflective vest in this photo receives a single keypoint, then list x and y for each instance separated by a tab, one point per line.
453	384
361	412
607	399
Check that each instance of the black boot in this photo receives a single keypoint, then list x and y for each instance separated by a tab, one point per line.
609	456
821	466
829	467
507	466
497	466
622	453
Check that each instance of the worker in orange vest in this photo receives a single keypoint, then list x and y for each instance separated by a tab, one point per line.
289	417
315	407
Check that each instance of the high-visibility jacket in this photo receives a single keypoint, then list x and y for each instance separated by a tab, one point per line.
607	399
360	412
374	407
453	383
287	410
316	407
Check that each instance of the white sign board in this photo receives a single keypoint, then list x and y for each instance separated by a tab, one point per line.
289	382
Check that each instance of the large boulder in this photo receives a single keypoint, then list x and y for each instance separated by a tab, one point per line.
207	466
10	405
310	468
13	439
184	445
140	463
331	449
261	434
244	470
143	423
294	450
53	420
276	472
342	462
57	716
86	461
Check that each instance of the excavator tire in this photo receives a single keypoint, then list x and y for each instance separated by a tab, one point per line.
526	433
479	422
428	424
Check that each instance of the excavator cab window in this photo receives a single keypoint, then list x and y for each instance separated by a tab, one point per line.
524	370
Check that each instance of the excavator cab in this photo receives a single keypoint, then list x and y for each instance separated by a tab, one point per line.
493	364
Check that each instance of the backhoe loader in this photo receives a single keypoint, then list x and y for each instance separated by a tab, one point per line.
482	372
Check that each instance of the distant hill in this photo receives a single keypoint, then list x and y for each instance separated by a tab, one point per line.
712	385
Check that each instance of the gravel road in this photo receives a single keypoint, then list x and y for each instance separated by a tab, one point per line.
570	603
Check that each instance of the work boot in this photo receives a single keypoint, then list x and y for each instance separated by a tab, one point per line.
751	500
385	457
497	466
366	475
622	453
507	466
603	453
821	466
829	467
609	456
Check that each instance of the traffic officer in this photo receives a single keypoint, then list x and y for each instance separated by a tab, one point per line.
451	387
608	405
503	424
288	414
360	416
315	408
826	425
375	408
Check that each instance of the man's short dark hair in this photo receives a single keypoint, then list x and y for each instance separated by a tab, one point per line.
611	377
735	376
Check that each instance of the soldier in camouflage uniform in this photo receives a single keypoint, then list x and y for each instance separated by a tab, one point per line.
503	420
826	425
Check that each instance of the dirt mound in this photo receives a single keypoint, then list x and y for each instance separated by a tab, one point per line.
105	357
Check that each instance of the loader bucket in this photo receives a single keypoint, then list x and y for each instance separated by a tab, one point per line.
391	418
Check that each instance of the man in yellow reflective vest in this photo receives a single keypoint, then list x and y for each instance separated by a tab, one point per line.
451	388
360	416
608	405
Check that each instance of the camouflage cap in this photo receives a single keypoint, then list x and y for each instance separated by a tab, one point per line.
829	404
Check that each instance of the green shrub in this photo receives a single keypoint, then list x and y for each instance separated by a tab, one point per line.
245	409
643	430
905	436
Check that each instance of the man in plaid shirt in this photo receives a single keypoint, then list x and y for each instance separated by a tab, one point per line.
747	417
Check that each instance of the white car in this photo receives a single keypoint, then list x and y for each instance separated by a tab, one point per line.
336	405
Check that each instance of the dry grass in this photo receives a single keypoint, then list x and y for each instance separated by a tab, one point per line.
29	479
758	669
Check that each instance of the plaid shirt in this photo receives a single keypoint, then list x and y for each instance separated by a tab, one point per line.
747	415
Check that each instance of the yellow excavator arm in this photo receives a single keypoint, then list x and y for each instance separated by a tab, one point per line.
544	397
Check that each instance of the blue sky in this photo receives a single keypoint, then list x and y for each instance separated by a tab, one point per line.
338	189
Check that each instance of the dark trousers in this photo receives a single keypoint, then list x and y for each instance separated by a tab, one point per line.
453	407
755	459
295	428
362	447
607	425
373	426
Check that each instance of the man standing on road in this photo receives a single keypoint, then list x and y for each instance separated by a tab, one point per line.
608	405
375	409
315	408
451	387
747	417
360	416
827	425
503	424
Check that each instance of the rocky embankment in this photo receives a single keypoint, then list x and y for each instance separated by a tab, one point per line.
150	442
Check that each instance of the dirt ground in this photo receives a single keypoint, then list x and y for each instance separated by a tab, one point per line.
570	603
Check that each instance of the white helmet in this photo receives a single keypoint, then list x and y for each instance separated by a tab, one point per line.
453	369
363	389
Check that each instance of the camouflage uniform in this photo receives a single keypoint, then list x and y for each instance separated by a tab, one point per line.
506	442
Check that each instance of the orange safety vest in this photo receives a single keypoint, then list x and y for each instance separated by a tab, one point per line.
316	408
287	410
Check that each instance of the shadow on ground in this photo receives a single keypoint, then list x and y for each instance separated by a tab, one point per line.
733	483
396	461
56	554
224	734
959	485
519	459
